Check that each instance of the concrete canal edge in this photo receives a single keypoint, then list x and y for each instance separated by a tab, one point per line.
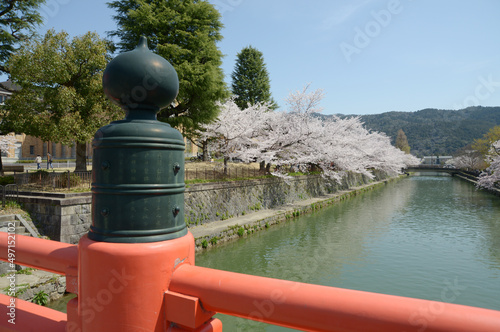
216	233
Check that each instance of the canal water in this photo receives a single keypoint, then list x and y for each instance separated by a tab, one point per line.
428	237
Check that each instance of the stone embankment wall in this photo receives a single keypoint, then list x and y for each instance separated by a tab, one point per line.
29	285
205	203
60	217
66	217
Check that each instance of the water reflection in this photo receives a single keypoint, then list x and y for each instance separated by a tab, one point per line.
418	237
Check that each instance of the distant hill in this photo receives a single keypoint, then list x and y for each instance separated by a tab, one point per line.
434	131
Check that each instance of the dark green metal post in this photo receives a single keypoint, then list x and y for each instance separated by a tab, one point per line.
138	163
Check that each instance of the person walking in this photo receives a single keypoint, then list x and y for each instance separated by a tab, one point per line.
38	161
49	161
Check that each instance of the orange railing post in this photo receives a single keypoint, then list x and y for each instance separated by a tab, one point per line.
122	285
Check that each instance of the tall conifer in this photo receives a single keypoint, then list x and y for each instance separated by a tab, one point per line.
251	84
402	141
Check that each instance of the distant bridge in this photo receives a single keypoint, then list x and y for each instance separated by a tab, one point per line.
432	168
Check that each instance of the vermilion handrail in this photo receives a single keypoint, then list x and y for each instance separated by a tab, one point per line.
30	317
51	256
321	308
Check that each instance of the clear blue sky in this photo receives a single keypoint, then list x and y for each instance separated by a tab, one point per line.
370	56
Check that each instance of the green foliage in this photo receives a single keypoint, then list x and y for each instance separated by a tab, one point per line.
18	19
204	244
12	205
483	145
26	271
213	241
60	97
251	84
39	174
7	180
241	231
41	298
74	180
256	207
20	289
185	33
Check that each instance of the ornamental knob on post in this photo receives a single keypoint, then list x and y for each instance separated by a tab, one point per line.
138	162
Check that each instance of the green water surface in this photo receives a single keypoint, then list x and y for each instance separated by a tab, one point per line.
429	237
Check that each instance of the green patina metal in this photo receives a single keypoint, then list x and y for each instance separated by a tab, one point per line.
138	162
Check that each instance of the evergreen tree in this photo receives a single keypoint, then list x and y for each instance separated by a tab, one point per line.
185	33
18	19
402	141
60	97
251	84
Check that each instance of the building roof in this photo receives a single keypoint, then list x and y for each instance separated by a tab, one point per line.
7	87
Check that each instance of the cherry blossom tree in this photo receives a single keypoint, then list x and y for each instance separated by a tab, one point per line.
233	131
468	159
300	139
490	178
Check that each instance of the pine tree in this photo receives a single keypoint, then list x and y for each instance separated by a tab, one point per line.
185	33
251	84
402	142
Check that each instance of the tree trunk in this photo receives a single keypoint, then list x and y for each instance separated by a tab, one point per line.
81	157
1	165
205	151
225	165
268	168
262	166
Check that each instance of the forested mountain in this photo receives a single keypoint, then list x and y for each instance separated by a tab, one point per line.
434	131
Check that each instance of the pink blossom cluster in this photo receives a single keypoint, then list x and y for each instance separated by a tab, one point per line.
299	137
490	178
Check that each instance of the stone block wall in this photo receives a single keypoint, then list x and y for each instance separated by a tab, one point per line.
61	217
209	202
